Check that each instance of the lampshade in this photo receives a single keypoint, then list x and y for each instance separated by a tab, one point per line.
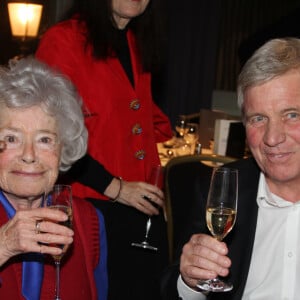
24	19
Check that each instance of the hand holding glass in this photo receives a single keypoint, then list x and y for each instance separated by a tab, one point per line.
60	198
221	209
156	178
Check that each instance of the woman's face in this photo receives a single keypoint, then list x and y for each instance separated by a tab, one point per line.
30	162
125	10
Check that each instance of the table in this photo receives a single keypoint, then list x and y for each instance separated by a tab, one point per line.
172	148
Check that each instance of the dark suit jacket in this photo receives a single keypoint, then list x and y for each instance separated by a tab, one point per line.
241	239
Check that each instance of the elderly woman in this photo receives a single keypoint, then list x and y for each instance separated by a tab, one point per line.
42	125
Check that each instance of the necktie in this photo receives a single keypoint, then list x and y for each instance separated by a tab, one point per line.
32	266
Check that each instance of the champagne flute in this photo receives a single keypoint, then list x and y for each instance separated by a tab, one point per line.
221	209
156	178
192	135
181	126
60	198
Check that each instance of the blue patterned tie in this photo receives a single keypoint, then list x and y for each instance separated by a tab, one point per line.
32	266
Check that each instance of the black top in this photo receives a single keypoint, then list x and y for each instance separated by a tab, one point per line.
89	172
124	55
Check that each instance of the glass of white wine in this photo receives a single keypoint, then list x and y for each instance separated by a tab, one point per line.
181	126
60	198
221	209
192	135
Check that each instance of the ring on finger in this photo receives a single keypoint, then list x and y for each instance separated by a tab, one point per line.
38	226
146	197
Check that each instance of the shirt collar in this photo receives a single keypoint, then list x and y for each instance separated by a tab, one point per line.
267	199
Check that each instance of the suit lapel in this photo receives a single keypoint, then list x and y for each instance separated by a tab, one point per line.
243	233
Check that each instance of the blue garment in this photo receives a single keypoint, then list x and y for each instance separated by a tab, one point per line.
100	272
32	263
32	266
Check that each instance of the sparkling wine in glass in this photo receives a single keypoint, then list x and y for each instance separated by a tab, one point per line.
156	178
221	209
60	198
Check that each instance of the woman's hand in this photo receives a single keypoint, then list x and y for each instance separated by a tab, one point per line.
34	231
203	257
143	196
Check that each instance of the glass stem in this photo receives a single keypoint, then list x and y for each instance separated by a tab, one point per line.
148	226
57	284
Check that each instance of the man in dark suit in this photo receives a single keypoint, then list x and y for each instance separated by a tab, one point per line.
259	256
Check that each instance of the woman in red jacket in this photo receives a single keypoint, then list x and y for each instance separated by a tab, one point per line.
108	50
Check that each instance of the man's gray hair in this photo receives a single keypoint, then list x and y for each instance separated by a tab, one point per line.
273	59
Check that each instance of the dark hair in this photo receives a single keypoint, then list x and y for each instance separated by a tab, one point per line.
149	29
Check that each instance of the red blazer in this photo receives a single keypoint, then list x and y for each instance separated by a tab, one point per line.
78	265
123	122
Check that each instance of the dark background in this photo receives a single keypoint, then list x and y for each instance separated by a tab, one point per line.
208	41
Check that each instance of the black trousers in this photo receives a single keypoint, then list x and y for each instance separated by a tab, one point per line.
133	273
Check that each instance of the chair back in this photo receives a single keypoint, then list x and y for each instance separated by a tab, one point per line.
181	174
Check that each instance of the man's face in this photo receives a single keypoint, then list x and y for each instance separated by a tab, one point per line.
272	113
